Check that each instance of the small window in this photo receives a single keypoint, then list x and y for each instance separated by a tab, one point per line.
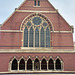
22	65
29	64
44	65
58	64
38	3
14	65
35	2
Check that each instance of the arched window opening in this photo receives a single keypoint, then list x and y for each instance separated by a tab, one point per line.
31	37
38	3
51	65
36	64
47	37
29	64
58	64
36	32
42	40
22	64
44	65
36	37
35	2
14	65
26	37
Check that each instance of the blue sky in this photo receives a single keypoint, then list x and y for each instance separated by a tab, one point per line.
66	9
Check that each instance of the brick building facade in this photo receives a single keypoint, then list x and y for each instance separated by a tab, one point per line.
36	39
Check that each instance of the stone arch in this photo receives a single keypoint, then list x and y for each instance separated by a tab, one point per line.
43	64
36	64
14	64
58	63
34	14
51	63
29	64
22	64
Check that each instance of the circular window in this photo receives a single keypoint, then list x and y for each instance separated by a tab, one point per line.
28	23
37	20
44	24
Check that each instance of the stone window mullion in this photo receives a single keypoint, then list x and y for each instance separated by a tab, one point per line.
28	37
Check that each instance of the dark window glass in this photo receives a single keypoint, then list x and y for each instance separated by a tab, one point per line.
31	37
14	65
22	65
47	37
44	24
29	64
37	20
44	65
36	64
36	37
58	64
35	2
51	64
26	37
42	41
28	23
38	3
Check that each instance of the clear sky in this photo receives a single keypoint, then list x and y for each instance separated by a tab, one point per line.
66	9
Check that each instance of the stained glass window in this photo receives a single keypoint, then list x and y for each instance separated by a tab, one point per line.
28	23
37	37
44	24
47	37
42	37
37	20
37	33
26	37
31	37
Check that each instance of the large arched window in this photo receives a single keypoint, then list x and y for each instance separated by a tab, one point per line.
36	32
14	65
44	65
29	64
51	64
22	64
58	64
36	64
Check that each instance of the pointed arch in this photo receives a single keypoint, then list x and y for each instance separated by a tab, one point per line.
25	37
44	64
47	37
51	64
29	64
58	64
14	65
31	33
40	15
42	42
22	64
36	64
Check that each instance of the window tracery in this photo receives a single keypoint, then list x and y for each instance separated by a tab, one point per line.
37	31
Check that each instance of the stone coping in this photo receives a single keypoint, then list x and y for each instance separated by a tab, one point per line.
37	50
39	72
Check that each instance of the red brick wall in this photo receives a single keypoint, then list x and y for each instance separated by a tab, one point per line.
68	59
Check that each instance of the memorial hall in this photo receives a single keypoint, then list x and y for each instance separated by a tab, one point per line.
36	40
